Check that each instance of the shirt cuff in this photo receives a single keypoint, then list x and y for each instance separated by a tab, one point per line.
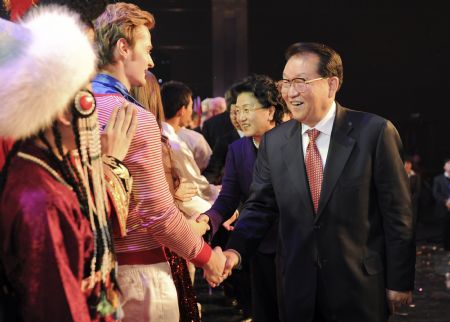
203	257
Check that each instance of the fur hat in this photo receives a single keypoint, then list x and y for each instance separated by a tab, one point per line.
44	61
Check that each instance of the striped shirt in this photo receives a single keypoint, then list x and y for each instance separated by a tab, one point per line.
153	219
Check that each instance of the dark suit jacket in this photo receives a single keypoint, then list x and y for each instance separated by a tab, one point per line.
217	126
235	190
441	192
361	240
215	169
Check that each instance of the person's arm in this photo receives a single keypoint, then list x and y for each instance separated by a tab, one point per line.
229	197
259	211
202	152
394	202
157	210
115	141
186	167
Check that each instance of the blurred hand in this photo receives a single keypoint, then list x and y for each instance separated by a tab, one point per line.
231	263
118	133
185	191
199	227
396	299
213	270
202	217
227	224
448	204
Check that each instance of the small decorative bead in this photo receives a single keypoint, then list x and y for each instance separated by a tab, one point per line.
86	102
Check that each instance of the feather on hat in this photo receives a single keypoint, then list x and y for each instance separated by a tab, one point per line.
44	61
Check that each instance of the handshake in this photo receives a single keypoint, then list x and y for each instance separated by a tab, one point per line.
219	266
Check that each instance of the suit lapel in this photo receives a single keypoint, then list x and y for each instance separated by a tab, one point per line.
292	153
341	146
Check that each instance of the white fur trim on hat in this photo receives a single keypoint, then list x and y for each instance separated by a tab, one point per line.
40	77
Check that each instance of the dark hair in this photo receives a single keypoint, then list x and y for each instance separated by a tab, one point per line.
174	96
266	92
330	63
230	96
408	158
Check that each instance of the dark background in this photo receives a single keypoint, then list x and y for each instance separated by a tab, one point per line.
396	55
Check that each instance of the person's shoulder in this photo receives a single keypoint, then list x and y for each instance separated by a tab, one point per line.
284	129
239	143
191	133
361	118
30	186
219	118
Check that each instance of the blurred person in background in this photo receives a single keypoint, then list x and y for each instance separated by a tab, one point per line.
441	193
215	168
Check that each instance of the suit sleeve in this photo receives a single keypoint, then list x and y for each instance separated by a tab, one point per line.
394	202
438	193
259	211
229	197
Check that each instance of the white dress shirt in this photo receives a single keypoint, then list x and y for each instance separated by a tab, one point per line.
198	145
325	126
186	168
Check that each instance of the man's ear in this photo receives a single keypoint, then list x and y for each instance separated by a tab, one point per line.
122	48
271	113
181	111
333	82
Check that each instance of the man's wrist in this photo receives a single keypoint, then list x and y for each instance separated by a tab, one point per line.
238	265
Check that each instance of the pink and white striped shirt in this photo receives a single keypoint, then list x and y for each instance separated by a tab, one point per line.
153	219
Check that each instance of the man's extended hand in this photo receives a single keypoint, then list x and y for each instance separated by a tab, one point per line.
213	270
118	133
232	262
396	299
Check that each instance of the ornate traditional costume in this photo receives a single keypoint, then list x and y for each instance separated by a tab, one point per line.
56	244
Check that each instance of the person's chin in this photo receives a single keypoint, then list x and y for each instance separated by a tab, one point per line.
298	115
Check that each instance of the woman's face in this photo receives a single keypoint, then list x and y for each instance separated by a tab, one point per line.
253	118
233	117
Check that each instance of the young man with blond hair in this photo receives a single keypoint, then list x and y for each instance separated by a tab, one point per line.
124	46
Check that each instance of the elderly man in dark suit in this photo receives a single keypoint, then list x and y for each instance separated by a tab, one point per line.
334	179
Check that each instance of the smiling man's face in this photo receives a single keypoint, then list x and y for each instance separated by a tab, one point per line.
310	106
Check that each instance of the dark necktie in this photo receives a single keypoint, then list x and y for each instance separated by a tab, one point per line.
314	168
